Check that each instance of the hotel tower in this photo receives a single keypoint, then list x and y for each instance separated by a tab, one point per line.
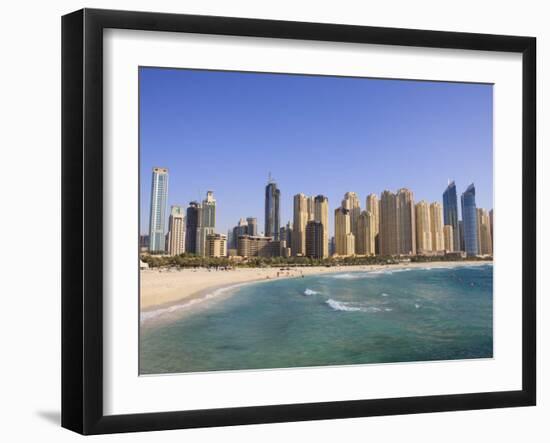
192	224
157	220
450	213
343	238
469	219
436	226
373	206
397	223
302	214
240	229
272	214
320	214
176	231
351	203
423	227
252	226
206	222
407	226
485	243
315	247
366	234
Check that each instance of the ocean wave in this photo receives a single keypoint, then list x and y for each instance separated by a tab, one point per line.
480	267
358	275
384	294
458	266
389	271
349	276
310	292
350	306
341	306
151	315
369	274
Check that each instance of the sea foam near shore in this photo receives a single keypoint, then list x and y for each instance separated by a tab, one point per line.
153	314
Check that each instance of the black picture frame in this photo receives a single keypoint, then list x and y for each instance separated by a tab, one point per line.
82	218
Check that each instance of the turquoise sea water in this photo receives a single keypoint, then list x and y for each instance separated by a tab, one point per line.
385	316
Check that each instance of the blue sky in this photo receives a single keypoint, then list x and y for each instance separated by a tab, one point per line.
225	131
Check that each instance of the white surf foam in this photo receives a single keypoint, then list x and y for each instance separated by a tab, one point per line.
146	316
350	306
341	306
429	268
349	276
310	292
477	267
357	275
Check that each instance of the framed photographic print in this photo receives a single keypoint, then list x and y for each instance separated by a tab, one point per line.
269	221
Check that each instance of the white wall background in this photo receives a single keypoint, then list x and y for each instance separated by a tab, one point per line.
30	218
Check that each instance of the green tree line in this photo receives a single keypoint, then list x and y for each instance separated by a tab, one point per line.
194	261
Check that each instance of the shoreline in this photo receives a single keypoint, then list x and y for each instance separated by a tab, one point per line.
170	290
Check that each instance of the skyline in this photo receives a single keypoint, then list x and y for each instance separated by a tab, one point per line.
376	157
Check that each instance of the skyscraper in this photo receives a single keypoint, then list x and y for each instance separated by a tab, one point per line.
331	246
252	226
461	236
388	236
351	203
231	242
436	226
423	227
373	206
343	238
397	223
485	244
310	209
491	221
206	222
272	214
192	223
286	235
448	237
157	220
469	218
176	231
315	239
366	234
240	229
450	213
320	214
209	210
406	221
302	215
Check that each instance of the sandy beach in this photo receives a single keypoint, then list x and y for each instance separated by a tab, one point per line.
169	286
